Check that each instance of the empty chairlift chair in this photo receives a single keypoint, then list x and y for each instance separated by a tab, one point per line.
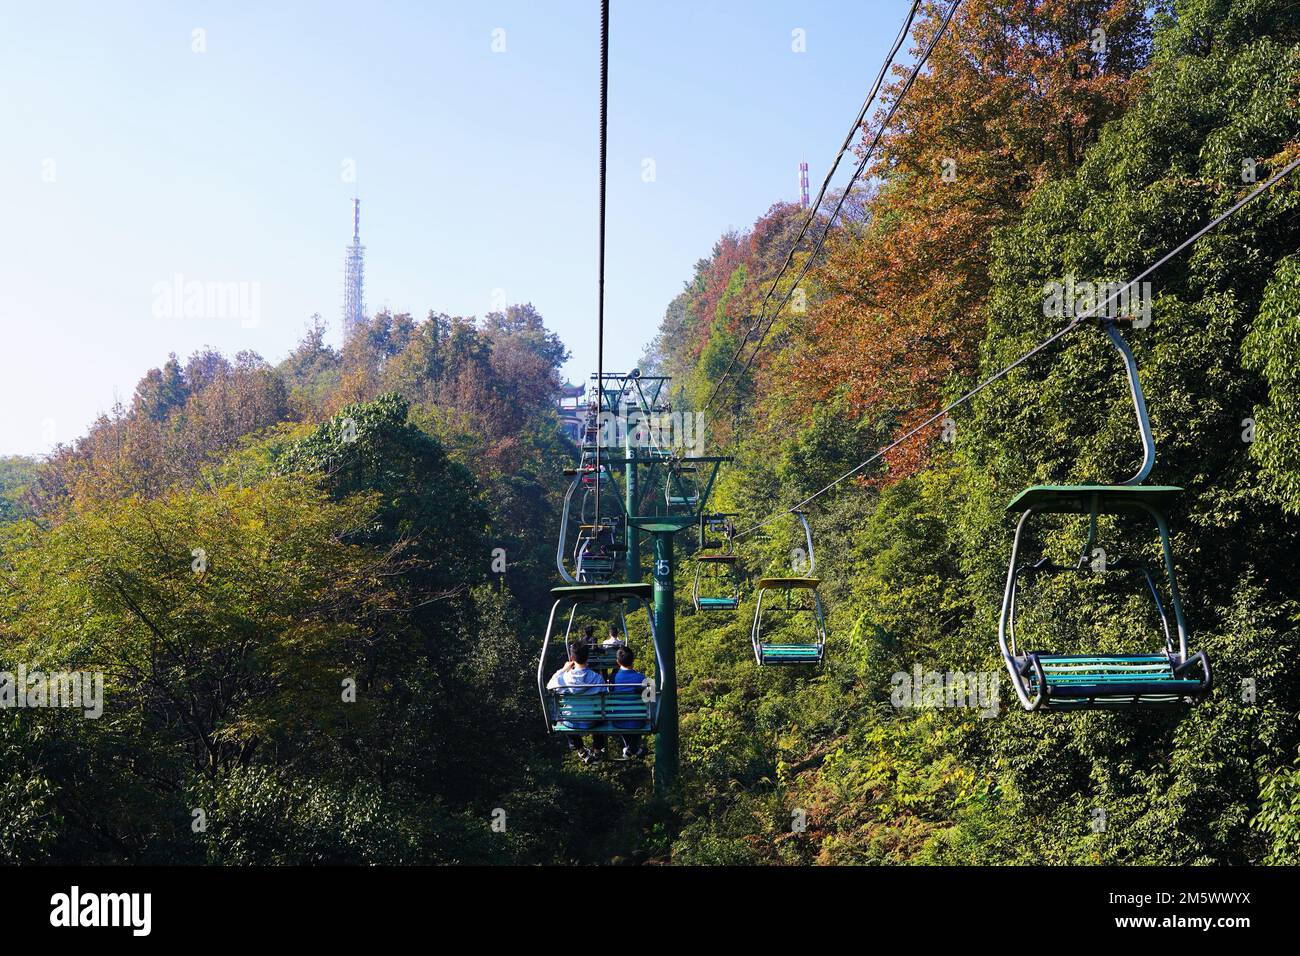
791	598
1083	680
596	708
794	602
681	490
717	578
717	584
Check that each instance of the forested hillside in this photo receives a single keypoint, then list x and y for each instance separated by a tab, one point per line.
285	574
290	575
1070	163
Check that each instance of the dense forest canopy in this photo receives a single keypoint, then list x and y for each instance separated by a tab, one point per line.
285	572
1025	156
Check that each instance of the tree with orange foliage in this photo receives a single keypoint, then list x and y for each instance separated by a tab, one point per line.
1012	96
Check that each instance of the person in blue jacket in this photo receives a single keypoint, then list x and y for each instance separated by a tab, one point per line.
628	680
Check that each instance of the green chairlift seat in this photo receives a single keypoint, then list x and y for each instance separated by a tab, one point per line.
809	652
716	604
603	657
1109	682
1051	681
790	654
717	585
609	710
599	708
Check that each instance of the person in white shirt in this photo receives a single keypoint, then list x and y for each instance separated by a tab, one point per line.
575	677
611	643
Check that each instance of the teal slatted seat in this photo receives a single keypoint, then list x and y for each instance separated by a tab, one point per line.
603	712
603	657
1100	681
790	653
595	569
718	604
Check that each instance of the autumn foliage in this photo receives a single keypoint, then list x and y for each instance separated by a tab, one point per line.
900	305
1011	97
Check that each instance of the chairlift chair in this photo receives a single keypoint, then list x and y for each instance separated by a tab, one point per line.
598	708
717	583
717	578
681	491
594	556
596	552
798	598
1084	680
798	595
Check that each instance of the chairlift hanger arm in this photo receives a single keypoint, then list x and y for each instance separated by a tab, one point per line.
564	525
1139	403
807	532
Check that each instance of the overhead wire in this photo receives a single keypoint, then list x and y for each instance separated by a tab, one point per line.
767	321
600	303
1000	373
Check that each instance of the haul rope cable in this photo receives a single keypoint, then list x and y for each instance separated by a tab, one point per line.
866	157
1268	184
600	302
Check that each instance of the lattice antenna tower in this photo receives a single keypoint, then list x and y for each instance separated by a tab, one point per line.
354	270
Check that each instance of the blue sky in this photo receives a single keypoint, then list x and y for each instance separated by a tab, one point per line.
130	159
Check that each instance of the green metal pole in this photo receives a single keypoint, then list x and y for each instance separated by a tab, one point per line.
632	567
665	629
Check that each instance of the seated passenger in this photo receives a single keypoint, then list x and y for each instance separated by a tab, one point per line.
576	678
608	645
628	680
